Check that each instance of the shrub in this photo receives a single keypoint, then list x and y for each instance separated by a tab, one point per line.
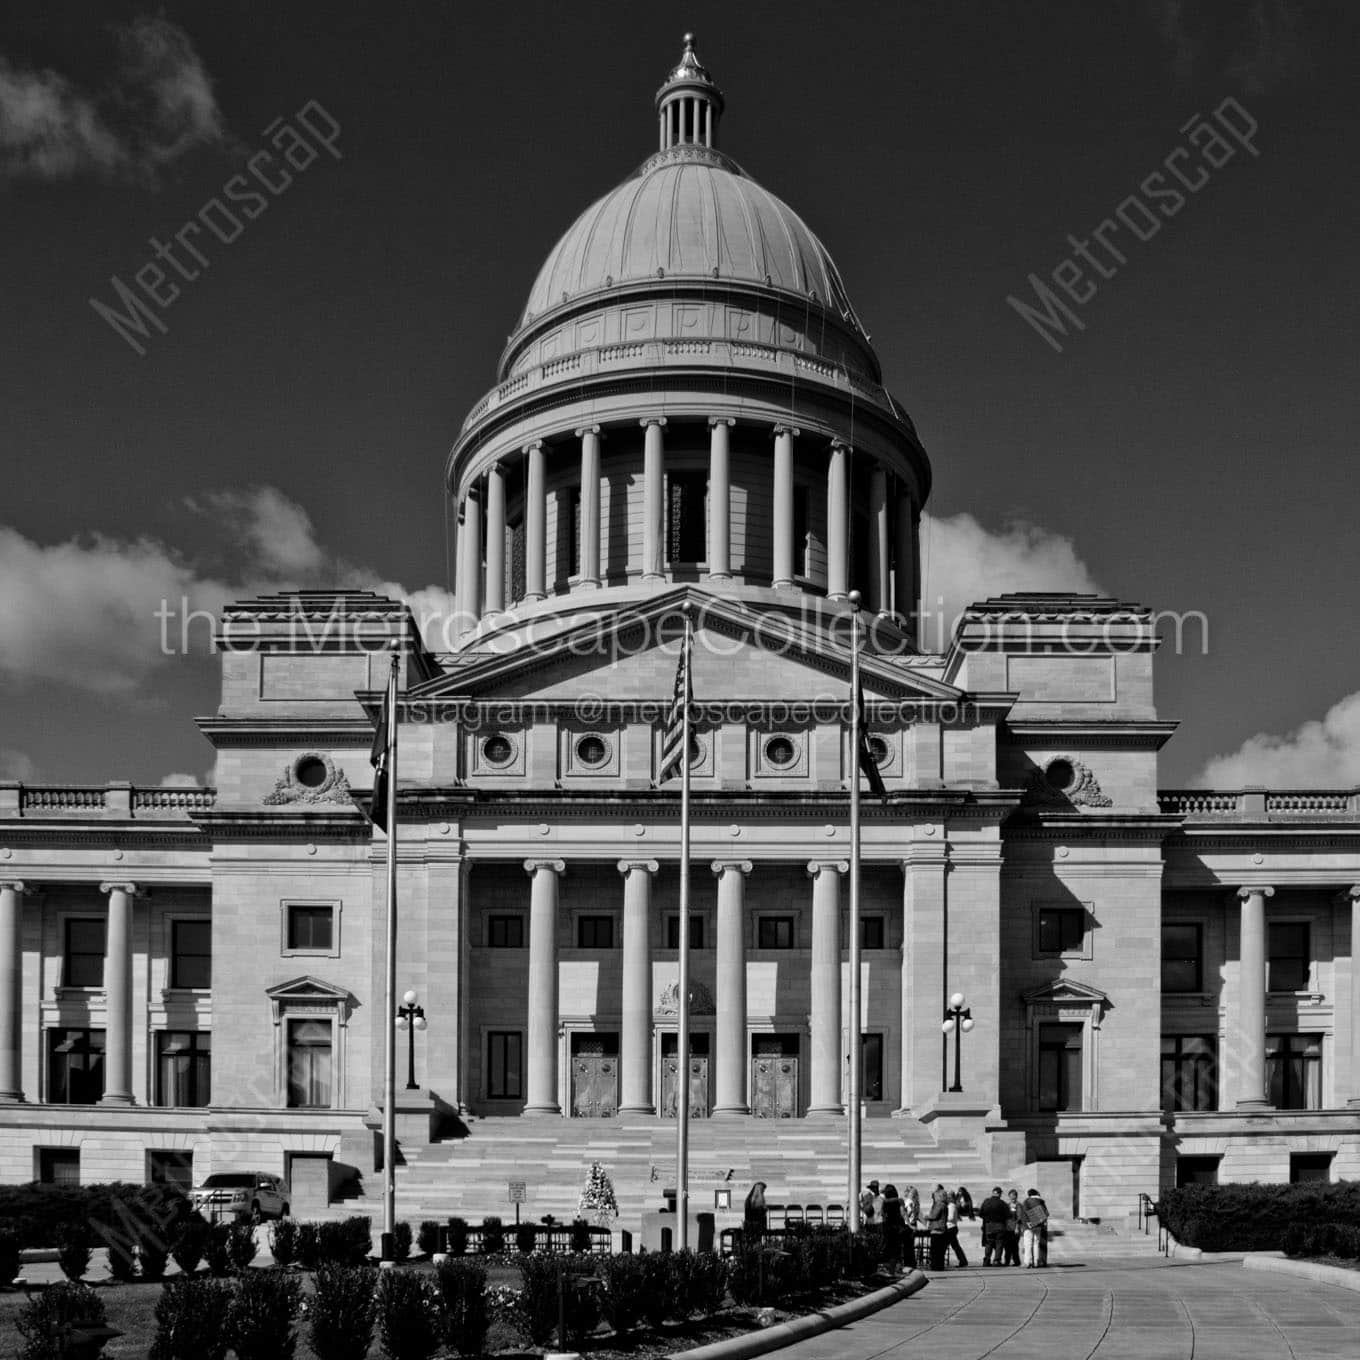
308	1245
344	1244
283	1242
73	1251
343	1312
36	1213
427	1238
46	1320
153	1253
493	1236
408	1315
260	1318
526	1237
1296	1240
217	1249
1341	1240
625	1289
467	1318
401	1242
9	1256
1254	1217
656	1302
189	1242
241	1247
759	1275
122	1257
579	1236
191	1317
866	1252
539	1296
458	1236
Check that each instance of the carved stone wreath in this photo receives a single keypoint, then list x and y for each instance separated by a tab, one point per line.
290	788
1081	789
700	1000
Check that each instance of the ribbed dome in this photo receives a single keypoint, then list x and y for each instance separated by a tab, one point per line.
688	213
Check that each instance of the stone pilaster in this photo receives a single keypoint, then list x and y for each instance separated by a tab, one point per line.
653	498
923	964
541	1057
1248	1036
494	593
635	1044
118	994
731	1056
878	595
11	991
827	1021
535	524
719	499
1353	1101
782	507
589	435
838	521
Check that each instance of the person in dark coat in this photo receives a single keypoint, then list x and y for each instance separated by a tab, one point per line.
755	1214
937	1221
995	1217
1011	1240
894	1226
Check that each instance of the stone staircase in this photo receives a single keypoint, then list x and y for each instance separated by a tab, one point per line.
802	1161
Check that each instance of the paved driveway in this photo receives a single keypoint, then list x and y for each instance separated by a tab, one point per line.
1144	1309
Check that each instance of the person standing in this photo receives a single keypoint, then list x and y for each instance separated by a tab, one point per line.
995	1216
952	1228
1034	1219
1011	1240
755	1214
894	1227
937	1223
868	1203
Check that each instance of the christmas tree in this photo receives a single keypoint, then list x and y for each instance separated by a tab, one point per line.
597	1197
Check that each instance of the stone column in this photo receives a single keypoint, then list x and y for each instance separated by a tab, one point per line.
118	994
11	991
653	498
589	436
782	509
1250	1039
635	1043
719	499
827	1021
535	525
904	564
837	521
730	1082
1353	1102
923	967
494	593
541	1045
880	583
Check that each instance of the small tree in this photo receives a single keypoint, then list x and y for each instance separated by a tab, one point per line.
598	1201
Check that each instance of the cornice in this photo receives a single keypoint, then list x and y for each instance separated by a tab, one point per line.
332	824
242	732
1117	735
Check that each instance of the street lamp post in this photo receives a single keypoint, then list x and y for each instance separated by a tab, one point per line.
958	1020
410	1017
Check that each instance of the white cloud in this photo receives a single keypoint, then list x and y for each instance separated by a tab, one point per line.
16	764
963	561
1323	754
179	780
277	532
157	105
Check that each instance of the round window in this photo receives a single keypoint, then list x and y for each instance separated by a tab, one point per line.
878	748
498	750
780	751
1060	775
592	750
310	772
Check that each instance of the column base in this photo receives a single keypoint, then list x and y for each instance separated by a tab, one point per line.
782	585
729	1112
116	1098
719	576
1259	1106
1352	1104
586	583
637	1109
533	1111
12	1098
825	1111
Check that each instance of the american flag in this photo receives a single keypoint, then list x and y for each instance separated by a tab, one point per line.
377	757
673	738
868	766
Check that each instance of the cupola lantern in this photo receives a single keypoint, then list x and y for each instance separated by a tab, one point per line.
689	103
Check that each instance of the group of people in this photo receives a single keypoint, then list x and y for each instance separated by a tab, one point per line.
1014	1231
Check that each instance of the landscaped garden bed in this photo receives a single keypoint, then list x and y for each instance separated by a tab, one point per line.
1255	1217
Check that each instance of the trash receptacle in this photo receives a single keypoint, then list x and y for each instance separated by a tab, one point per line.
705	1242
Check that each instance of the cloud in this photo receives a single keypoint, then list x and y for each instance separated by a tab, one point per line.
179	780
276	531
962	561
16	764
1323	754
156	106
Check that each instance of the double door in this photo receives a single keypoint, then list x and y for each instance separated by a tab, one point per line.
594	1076
774	1076
698	1079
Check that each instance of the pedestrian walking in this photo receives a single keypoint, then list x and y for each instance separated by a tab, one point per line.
952	1228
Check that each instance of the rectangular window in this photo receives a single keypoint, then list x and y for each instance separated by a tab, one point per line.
514	561
75	1066
685	538
1182	957
184	1068
774	932
1309	1166
309	1064
871	932
505	1065
172	1169
1060	1067
311	928
505	932
59	1166
1290	956
1294	1071
595	932
696	932
1196	1171
84	962
1061	929
871	1067
191	954
1189	1072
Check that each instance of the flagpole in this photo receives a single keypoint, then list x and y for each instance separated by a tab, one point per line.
853	1029
389	1018
682	988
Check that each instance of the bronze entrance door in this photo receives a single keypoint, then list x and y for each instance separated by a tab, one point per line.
698	1075
774	1076
594	1076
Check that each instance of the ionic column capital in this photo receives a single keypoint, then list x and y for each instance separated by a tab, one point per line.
496	468
582	430
14	885
791	430
532	866
626	866
721	420
1255	890
533	446
1353	892
721	866
651	420
815	866
131	889
841	445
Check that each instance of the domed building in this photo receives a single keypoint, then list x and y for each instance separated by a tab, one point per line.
688	426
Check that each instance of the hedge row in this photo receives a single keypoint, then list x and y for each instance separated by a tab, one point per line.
1341	1240
40	1215
1254	1217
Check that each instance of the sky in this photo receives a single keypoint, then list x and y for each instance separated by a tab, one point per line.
1178	429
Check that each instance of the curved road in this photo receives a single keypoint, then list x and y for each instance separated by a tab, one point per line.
1141	1309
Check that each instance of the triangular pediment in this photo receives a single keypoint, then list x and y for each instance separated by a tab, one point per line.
306	988
1066	992
629	654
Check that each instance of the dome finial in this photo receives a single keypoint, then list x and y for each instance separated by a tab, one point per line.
689	103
